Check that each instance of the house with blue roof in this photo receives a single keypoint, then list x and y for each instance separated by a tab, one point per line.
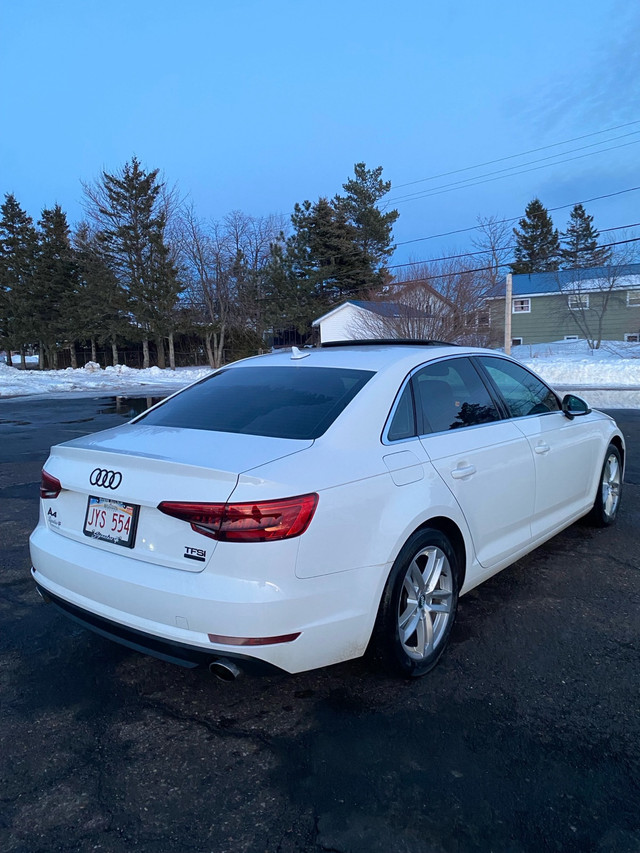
595	304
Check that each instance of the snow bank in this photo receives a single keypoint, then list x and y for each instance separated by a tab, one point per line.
93	379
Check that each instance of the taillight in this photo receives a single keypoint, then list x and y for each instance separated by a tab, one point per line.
258	521
50	487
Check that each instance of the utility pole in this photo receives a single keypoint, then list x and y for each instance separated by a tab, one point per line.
507	314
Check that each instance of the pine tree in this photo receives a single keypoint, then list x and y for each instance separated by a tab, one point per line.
373	230
18	247
100	313
537	243
55	285
130	213
580	242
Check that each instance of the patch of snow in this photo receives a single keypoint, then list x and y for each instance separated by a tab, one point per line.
608	377
121	380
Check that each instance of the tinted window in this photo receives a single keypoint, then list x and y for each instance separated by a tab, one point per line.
450	394
403	424
523	392
281	402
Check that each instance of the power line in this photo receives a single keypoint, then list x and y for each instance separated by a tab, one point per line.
506	248
482	269
516	218
515	156
466	181
446	188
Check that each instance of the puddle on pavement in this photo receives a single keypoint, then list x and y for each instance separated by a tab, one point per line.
128	407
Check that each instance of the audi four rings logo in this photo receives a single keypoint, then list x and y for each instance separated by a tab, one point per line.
106	479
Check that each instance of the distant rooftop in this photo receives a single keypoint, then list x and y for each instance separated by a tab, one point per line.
530	284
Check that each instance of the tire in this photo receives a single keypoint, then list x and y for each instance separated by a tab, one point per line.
418	606
605	506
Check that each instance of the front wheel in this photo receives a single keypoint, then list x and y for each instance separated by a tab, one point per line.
418	605
605	507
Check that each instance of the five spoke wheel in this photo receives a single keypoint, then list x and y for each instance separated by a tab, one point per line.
425	603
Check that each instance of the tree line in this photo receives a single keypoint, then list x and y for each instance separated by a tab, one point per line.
143	267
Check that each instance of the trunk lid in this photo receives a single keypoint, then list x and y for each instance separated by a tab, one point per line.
139	466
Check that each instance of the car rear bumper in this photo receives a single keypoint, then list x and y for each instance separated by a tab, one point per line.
172	651
170	614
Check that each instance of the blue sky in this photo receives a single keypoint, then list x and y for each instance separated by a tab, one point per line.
256	105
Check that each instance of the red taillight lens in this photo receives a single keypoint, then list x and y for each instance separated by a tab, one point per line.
50	487
260	521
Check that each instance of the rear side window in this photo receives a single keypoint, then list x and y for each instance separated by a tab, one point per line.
280	402
450	394
523	392
403	424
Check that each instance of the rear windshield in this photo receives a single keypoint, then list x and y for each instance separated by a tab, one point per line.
281	402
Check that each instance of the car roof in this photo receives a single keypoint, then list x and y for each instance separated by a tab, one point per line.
378	357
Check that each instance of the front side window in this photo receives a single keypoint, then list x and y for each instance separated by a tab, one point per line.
633	298
523	392
521	306
280	402
450	394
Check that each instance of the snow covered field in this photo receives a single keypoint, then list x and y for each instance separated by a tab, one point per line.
606	378
95	381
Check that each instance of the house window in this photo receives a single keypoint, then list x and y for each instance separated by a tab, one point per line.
633	339
578	301
480	320
571	337
516	342
521	306
633	298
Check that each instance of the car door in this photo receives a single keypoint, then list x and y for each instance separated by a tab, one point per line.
565	451
483	458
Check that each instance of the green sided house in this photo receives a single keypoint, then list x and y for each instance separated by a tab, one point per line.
596	304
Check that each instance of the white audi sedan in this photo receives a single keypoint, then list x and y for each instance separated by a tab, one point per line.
295	509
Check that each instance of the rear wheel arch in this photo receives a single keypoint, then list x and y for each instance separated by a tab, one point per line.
453	533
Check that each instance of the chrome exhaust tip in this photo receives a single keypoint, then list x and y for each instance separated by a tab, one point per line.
224	669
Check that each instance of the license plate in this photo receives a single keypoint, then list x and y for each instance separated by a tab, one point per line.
111	521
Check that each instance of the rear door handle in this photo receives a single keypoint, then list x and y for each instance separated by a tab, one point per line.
542	448
461	473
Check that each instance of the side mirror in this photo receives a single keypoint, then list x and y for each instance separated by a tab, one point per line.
573	407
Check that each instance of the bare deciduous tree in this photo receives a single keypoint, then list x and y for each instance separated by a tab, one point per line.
223	264
493	243
588	297
438	300
204	260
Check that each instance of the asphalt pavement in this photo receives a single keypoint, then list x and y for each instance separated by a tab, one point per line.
526	737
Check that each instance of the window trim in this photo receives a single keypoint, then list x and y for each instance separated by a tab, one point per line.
631	293
514	344
523	299
578	297
629	335
572	337
481	369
